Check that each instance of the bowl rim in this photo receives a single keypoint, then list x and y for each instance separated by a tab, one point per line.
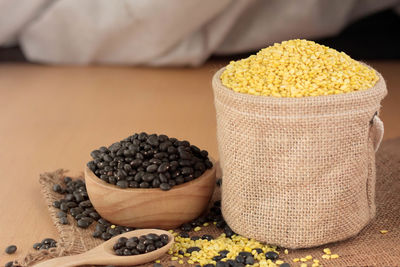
90	175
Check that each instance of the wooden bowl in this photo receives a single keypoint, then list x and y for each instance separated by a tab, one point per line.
153	207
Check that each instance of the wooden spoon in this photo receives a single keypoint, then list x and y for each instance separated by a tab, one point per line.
104	253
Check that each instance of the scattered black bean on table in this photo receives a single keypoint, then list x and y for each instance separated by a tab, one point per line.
148	161
139	245
46	243
271	255
11	249
76	203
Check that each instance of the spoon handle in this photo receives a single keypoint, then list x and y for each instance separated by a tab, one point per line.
69	261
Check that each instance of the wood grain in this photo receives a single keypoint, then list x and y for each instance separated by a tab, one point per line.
104	253
152	207
52	117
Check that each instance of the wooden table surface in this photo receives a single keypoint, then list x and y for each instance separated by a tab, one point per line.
52	117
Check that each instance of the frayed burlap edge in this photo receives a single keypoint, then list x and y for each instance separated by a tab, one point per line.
67	232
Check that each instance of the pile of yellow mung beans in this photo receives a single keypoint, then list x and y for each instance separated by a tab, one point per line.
211	248
298	68
208	249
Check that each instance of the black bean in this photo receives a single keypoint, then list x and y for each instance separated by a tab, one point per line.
61	214
165	186
186	227
285	264
122	184
133	184
156	183
105	236
163	167
85	204
131	244
83	223
9	264
150	248
164	239
186	171
271	255
141	248
221	264
194	238
127	252
209	265
249	260
63	206
11	249
239	259
48	241
163	178
57	188
207	237
56	204
230	262
148	242
179	180
64	220
258	250
184	234
245	254
157	265
192	249
37	246
97	234
69	197
144	185
153	140
217	258
223	253
208	164
158	244
148	177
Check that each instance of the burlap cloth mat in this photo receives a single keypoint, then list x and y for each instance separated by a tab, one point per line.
369	248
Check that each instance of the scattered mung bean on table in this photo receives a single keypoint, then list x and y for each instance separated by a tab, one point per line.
298	68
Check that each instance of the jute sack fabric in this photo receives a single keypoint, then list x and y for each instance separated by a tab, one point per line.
298	172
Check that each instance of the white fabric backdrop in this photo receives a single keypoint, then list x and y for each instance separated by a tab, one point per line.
167	32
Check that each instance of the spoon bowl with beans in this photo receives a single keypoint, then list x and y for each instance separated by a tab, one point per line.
131	248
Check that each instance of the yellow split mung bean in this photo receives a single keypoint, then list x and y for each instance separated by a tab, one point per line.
298	68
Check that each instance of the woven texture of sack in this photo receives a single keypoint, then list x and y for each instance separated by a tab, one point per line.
298	172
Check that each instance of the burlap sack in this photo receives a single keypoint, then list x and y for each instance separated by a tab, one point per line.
298	172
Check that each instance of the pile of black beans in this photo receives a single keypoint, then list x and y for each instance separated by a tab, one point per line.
76	203
46	243
139	245
149	161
